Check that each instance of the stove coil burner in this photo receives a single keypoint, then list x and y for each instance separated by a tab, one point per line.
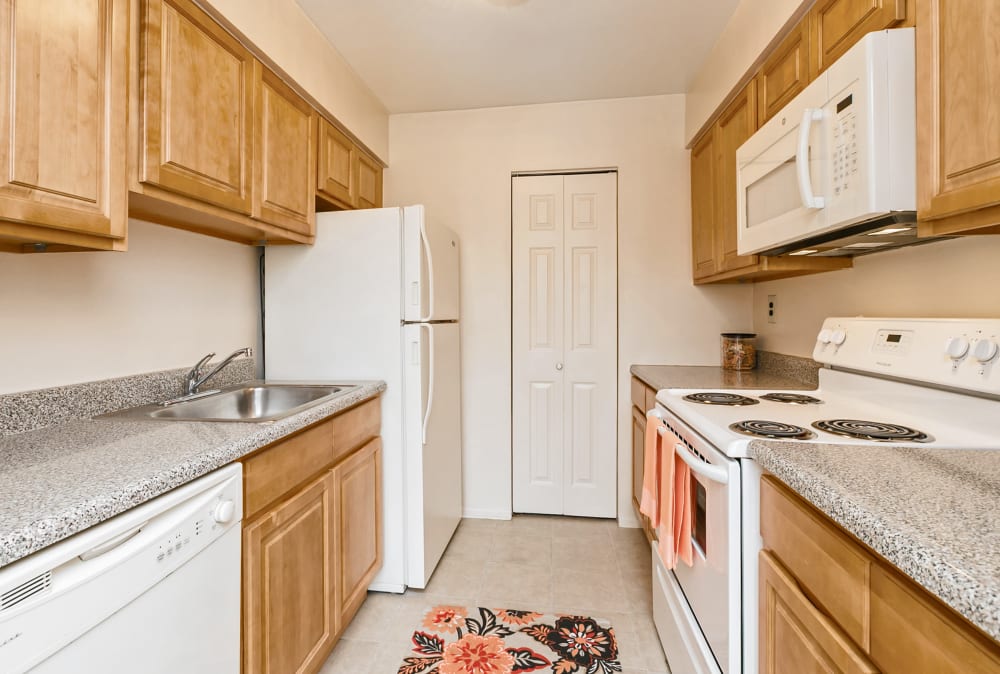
719	398
875	431
774	430
792	398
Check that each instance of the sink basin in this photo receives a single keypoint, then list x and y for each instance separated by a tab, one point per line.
253	402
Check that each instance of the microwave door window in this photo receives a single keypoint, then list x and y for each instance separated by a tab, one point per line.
773	194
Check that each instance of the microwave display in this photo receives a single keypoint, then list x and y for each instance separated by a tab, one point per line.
844	104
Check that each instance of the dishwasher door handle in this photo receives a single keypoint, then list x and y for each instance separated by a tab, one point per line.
111	543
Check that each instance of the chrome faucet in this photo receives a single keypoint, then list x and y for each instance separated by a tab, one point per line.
194	379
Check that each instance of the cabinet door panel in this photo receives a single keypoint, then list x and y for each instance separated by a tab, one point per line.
358	485
638	455
62	111
836	25
284	124
737	123
369	183
289	616
958	115
911	634
784	73
795	636
337	175
703	206
197	106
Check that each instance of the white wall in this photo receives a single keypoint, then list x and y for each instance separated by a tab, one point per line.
459	165
75	317
751	28
945	279
283	31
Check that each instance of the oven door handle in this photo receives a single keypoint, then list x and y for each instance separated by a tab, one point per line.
703	468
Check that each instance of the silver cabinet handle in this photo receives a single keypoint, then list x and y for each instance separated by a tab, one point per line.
558	366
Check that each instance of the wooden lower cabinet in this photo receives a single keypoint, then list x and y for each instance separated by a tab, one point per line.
643	398
290	617
828	603
313	543
795	636
358	527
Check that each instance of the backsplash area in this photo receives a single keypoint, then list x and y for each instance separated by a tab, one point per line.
949	279
31	410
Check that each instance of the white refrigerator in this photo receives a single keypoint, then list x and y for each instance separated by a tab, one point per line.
377	297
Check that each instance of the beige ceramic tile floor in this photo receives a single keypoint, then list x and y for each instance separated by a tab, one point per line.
548	564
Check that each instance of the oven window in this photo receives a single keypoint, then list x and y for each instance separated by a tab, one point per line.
699	498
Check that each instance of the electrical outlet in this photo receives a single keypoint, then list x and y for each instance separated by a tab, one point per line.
772	301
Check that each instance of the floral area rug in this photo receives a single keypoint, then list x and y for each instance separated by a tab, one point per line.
459	640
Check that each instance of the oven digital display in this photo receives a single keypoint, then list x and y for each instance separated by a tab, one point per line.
893	339
699	519
845	103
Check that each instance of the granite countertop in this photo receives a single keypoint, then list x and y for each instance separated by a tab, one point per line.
60	480
707	377
932	513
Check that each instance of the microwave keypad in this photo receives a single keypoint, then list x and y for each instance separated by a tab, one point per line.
845	153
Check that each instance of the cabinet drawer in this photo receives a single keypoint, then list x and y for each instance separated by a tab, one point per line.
912	633
356	426
279	469
650	399
638	394
795	636
835	570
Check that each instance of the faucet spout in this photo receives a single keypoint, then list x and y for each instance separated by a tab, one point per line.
195	379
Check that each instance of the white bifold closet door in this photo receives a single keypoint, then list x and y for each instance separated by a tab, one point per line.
565	325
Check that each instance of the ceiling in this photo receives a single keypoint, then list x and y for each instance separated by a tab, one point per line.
424	55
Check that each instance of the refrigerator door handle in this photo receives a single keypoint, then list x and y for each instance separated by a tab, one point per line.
430	378
425	242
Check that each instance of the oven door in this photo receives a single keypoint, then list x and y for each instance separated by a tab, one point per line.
781	177
712	585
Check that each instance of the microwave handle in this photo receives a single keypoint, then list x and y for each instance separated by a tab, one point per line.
809	200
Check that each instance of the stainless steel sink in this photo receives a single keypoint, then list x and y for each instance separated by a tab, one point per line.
255	402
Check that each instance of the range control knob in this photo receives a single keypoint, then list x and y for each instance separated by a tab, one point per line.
838	337
223	512
956	347
985	350
824	336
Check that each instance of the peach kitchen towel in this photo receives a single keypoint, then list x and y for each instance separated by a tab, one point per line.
683	549
665	531
651	452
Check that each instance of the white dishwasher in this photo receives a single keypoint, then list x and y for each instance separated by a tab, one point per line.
154	590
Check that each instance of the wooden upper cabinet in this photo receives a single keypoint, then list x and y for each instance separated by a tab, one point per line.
369	182
958	117
63	95
289	603
784	73
703	216
735	126
285	165
197	106
836	25
337	173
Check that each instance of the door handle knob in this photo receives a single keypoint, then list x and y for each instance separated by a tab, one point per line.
558	366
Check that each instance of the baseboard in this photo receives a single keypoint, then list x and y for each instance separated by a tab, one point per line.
627	519
387	587
486	514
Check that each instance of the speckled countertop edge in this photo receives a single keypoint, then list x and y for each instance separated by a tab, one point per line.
974	593
34	516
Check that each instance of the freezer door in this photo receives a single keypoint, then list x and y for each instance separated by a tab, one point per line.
430	269
432	444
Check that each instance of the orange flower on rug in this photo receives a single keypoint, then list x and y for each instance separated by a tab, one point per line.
505	641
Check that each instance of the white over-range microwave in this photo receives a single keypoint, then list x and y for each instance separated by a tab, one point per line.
834	172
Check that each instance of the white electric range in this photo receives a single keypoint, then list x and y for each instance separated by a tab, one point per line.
904	382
